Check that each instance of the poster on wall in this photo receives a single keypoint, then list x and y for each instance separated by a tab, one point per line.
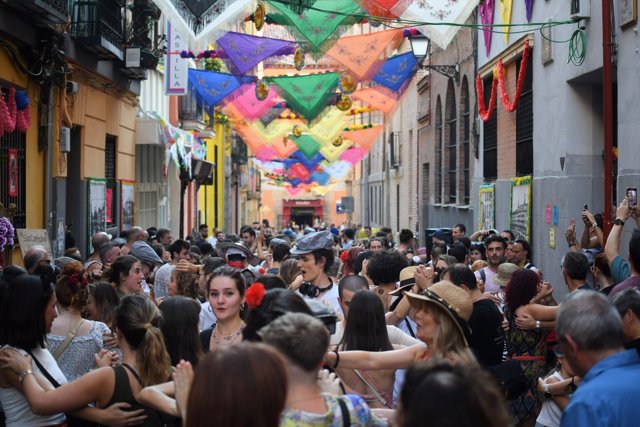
486	212
127	204
13	172
521	207
97	209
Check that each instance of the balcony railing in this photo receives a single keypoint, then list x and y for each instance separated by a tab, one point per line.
98	24
43	11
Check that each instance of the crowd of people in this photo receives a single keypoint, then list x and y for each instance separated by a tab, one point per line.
323	326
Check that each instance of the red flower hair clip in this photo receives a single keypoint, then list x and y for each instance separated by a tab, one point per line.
255	295
77	281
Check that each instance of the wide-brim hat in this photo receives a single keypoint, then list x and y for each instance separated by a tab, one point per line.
450	299
237	246
407	280
505	271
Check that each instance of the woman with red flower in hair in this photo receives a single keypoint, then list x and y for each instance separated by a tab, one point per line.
73	341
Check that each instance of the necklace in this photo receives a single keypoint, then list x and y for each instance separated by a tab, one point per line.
226	339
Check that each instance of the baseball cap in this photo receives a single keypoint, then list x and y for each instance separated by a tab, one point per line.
145	253
313	242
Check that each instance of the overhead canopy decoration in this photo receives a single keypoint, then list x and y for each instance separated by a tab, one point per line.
248	106
380	98
445	16
307	95
486	17
318	26
363	55
244	51
505	14
271	115
397	72
363	137
384	8
210	87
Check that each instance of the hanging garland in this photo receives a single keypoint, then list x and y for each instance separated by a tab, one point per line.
511	107
485	113
15	112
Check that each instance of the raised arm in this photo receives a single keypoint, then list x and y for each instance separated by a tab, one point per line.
375	360
612	247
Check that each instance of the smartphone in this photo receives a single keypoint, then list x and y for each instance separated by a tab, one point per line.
632	197
586	207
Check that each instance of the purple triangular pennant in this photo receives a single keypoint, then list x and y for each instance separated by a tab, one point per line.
486	17
529	6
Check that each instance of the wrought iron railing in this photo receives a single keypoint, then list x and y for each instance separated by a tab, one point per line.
99	18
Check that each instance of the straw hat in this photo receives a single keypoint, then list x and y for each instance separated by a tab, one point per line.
450	299
406	280
505	270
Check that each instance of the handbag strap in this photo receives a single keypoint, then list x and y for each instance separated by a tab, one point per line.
372	388
44	372
70	336
346	417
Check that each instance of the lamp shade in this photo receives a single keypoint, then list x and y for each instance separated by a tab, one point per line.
419	46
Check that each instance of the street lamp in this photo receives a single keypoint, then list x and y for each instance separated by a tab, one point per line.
420	48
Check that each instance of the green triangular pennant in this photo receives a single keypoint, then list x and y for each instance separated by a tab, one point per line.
307	95
307	145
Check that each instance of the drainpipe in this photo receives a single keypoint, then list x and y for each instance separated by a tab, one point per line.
607	96
48	174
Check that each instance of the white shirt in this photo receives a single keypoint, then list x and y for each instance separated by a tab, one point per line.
207	318
330	299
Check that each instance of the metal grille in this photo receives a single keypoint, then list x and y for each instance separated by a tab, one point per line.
466	135
524	127
110	175
453	142
13	172
99	18
490	141
438	148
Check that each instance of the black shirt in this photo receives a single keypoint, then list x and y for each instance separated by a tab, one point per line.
487	336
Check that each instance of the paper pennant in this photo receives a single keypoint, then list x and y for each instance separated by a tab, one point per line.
329	126
364	138
244	51
505	14
378	99
309	163
249	106
283	150
332	153
363	55
338	170
307	145
307	95
353	155
397	72
385	8
486	17
321	178
211	87
529	6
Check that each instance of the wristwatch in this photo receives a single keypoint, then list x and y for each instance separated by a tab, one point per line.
23	375
547	394
538	325
618	221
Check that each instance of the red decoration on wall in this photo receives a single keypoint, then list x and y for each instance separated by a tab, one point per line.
485	113
522	74
13	172
108	207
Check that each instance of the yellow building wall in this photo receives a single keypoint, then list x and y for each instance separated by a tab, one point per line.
35	160
208	194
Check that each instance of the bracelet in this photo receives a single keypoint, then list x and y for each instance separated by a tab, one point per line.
23	375
538	325
335	365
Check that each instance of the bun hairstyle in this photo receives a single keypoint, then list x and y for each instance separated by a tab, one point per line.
72	288
137	319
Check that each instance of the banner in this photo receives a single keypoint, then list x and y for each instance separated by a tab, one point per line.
486	211
127	204
175	73
520	211
97	209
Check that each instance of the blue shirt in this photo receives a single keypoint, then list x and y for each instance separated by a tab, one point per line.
620	270
608	394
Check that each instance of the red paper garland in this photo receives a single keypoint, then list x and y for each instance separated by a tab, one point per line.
10	117
509	106
485	113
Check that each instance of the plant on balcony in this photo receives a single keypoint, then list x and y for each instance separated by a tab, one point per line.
7	233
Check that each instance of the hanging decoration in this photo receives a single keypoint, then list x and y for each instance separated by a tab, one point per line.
505	14
271	115
353	155
363	55
297	132
377	98
522	74
260	15
384	8
247	103
244	51
333	151
329	126
318	26
206	54
347	83
360	110
307	145
445	17
344	102
298	58
486	10
485	112
8	111
210	87
529	6
261	90
397	72
338	141
307	95
363	137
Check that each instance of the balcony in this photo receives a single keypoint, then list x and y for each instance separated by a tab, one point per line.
190	114
42	12
98	25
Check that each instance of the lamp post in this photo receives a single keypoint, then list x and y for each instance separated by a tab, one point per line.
420	48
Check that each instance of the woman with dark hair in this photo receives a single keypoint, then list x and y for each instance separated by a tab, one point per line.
477	252
366	330
125	274
271	281
179	327
226	289
274	304
73	340
442	394
348	268
182	283
527	346
289	271
144	362
602	273
102	303
27	311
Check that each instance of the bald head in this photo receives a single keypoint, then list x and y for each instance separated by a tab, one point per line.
35	256
98	239
134	234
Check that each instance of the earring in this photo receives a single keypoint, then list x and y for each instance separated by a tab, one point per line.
242	306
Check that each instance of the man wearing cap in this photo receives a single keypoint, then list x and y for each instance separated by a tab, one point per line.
149	260
315	257
238	255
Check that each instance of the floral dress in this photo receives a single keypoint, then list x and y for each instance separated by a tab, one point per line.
529	347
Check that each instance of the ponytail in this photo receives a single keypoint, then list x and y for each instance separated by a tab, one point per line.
152	359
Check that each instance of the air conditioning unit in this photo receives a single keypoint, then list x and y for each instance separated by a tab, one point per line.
65	139
580	9
394	150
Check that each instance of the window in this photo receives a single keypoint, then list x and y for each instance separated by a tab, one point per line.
13	173
112	185
490	140
524	126
438	148
465	136
452	157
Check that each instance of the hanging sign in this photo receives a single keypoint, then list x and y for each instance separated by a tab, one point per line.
177	68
